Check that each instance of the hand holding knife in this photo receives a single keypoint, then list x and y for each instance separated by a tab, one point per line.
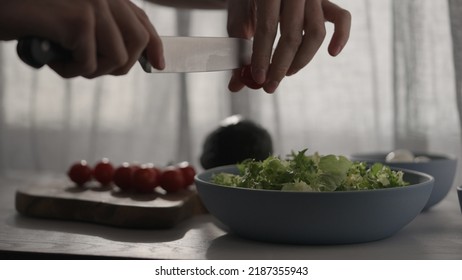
182	54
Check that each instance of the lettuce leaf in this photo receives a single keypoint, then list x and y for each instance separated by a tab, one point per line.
300	172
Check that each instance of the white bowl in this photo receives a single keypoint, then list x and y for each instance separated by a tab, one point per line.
441	167
314	217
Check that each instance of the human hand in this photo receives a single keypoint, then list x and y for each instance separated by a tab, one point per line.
302	31
103	36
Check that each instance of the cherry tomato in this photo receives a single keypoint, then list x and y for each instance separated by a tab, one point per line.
172	180
123	176
80	173
103	172
247	79
135	166
188	173
146	178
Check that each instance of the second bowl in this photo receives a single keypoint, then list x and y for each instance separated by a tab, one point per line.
440	167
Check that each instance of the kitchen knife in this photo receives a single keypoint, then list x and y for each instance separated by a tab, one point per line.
182	54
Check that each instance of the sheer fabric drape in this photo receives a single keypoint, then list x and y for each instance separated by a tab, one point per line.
397	84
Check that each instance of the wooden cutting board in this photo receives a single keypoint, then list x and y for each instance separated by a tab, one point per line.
58	198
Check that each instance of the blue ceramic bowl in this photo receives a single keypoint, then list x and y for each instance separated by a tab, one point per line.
314	217
441	167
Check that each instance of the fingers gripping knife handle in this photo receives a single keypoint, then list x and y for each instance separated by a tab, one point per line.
37	52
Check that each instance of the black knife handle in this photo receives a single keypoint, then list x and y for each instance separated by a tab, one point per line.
37	52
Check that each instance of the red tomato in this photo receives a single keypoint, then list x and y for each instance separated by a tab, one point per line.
146	178
247	79
80	173
188	173
135	166
123	176
103	172
172	180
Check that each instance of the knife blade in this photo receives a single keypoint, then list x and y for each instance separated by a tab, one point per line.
202	54
182	54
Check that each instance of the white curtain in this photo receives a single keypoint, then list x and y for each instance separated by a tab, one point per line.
397	84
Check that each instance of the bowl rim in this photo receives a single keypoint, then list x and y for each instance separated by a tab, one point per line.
428	177
438	156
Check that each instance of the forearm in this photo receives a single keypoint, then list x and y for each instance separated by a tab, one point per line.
192	4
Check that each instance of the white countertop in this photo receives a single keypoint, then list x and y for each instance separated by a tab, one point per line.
435	234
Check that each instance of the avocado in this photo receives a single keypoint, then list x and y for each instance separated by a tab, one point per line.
235	140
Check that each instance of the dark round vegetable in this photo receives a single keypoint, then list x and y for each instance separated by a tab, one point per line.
235	141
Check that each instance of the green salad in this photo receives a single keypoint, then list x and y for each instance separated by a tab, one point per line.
313	173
